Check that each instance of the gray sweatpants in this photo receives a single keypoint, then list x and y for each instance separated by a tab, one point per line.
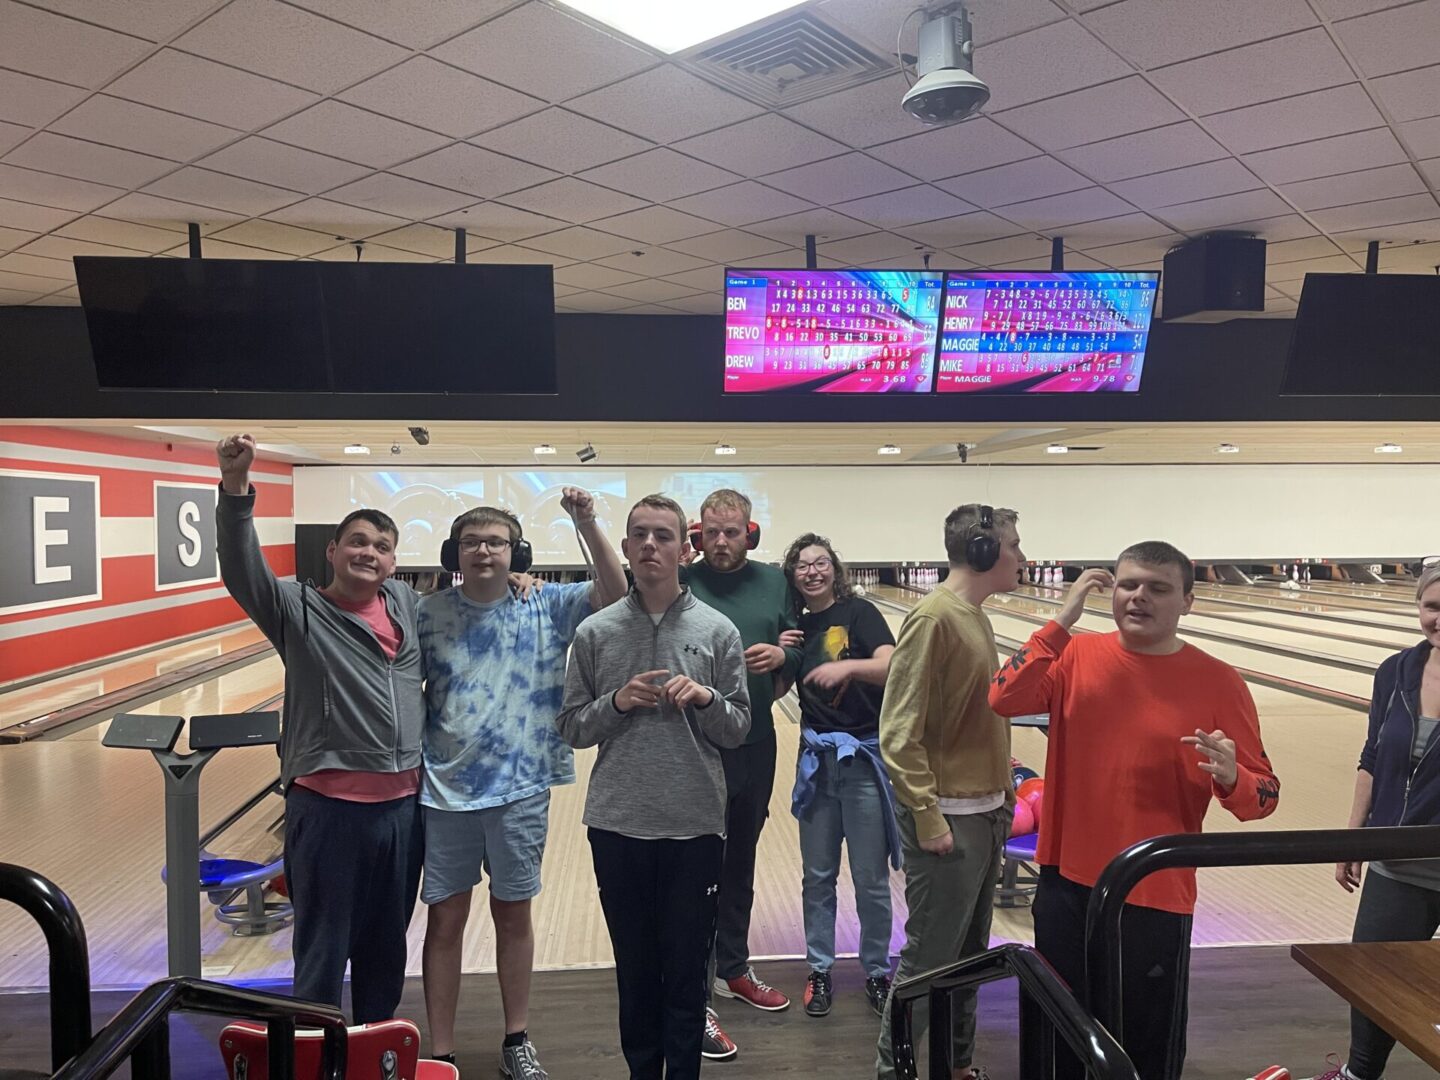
950	898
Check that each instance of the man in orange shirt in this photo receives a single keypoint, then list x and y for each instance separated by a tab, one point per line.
1144	730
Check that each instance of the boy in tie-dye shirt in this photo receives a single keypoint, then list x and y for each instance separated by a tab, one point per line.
495	674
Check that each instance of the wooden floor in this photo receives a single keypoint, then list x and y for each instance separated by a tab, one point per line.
91	818
1249	1007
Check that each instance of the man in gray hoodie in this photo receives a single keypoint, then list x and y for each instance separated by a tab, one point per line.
657	682
350	749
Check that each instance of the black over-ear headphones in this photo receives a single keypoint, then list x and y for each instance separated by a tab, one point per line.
982	550
522	557
752	535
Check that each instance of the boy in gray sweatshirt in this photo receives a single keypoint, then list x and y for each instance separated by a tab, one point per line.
657	682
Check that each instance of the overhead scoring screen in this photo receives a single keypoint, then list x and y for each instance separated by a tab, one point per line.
1044	333
891	331
831	331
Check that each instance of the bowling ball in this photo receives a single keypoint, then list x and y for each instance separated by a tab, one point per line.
1035	802
1034	785
1021	774
1024	823
278	885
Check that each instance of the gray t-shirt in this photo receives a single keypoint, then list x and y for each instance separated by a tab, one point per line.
1422	872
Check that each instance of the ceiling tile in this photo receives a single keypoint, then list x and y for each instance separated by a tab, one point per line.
1349	9
11	135
16	297
27	185
1015	182
660	175
1369	185
592	276
862	250
426	240
655	225
401	196
197	87
60	270
415	25
1280	67
125	234
338	219
370	252
760	145
1127	227
1326	157
1101	112
1158	149
274	236
1379	213
14	238
1412	95
850	177
580	243
1289	251
1226	210
498	222
56	246
975	144
469	168
908	206
1006	252
287	43
25	99
1133	253
649	290
1393	40
116	122
594	301
438	97
1286	226
155	20
860	116
1422	136
511	255
561	140
1053	211
824	224
655	262
206	188
285	166
220	249
1431	171
1157	32
706	278
573	58
691	105
1022	69
54	47
64	298
1193	182
34	283
573	200
878	20
958	231
168	213
727	245
696	305
82	160
1297	119
343	131
740	204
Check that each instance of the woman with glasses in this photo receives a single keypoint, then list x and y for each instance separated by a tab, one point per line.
1397	783
841	792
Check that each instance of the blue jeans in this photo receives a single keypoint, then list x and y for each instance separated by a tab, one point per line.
849	806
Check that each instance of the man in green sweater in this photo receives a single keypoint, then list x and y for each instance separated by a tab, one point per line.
754	597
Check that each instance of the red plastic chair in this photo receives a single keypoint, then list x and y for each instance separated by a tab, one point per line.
389	1050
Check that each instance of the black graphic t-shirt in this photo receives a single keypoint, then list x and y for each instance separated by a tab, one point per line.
849	629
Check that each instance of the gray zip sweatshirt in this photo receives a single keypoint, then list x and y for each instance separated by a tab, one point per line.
658	774
347	706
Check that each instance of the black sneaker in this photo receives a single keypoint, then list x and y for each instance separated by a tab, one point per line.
817	993
715	1045
877	989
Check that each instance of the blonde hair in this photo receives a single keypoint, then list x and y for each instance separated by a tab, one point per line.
661	502
1429	576
726	499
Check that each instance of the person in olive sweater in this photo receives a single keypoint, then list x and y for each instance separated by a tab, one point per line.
756	598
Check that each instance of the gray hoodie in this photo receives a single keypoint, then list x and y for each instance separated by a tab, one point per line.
347	706
658	774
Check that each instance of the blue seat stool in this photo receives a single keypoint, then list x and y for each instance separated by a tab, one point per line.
1019	875
226	881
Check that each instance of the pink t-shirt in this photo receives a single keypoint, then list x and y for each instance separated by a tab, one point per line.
348	784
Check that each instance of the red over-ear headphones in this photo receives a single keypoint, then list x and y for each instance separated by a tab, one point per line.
752	536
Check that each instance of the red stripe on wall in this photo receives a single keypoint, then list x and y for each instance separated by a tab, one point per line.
127	493
93	443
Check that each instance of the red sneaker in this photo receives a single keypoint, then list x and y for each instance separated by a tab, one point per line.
752	991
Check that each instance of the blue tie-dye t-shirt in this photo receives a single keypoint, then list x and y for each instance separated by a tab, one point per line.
494	680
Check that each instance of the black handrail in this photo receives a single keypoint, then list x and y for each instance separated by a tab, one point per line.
1047	1008
1105	993
48	905
140	1032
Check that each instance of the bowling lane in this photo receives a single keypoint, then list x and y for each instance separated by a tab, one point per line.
1318	600
62	691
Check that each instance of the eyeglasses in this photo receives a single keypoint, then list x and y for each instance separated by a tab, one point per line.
493	544
821	565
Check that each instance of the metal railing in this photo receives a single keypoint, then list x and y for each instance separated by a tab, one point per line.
47	904
1047	1009
1104	979
140	1032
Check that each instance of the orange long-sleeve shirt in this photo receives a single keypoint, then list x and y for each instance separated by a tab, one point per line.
1116	771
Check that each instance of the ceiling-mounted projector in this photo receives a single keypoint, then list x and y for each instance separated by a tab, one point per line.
947	89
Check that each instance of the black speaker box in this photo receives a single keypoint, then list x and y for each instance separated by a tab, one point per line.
1214	278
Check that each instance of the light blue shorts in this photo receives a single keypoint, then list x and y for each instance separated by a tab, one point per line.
507	842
